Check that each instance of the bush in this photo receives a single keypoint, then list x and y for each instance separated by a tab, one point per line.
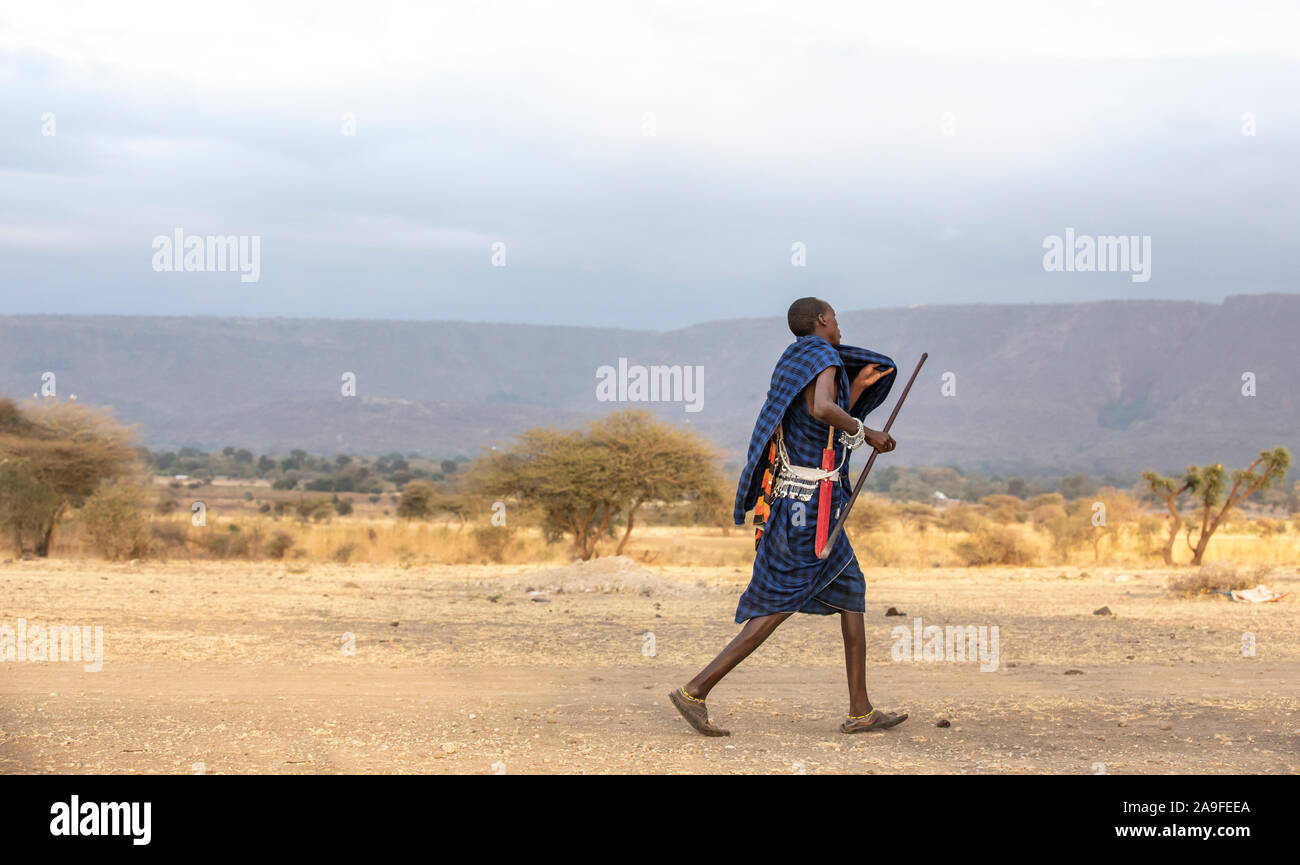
1209	578
1045	513
1004	508
994	546
869	515
491	541
1068	533
1148	529
343	552
279	545
417	501
115	525
246	545
915	513
236	543
1046	499
219	546
960	518
1268	528
170	534
314	509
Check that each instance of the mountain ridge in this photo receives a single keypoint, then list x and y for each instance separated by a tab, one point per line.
1085	385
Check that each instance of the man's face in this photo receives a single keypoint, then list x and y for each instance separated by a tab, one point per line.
828	319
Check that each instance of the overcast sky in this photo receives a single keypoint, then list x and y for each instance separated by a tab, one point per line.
645	165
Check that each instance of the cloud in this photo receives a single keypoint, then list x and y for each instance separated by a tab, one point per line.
644	164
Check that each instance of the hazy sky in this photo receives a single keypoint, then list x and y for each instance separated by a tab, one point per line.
646	165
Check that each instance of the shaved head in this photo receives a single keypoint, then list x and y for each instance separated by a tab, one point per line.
803	313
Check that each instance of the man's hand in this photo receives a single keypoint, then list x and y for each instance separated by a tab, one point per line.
866	377
881	441
870	374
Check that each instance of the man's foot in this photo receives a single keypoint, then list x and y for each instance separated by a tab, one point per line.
873	721
695	714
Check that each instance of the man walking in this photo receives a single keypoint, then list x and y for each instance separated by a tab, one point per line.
796	481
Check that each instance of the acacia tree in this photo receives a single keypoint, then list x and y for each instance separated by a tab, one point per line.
1208	483
563	474
1168	489
25	503
655	462
580	481
54	456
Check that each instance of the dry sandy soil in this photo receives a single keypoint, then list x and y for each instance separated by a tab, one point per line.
242	668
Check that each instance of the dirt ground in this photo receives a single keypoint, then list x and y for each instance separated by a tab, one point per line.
247	668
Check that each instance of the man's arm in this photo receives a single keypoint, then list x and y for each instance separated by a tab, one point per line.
823	407
866	377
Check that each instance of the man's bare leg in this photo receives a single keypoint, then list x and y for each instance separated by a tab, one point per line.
689	698
862	715
751	636
854	629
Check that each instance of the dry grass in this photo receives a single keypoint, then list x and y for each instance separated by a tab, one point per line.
367	538
884	534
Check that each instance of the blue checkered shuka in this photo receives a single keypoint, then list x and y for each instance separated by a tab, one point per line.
788	576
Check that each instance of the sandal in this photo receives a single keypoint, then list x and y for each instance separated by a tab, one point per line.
695	714
874	721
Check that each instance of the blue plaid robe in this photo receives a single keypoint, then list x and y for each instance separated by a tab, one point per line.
788	576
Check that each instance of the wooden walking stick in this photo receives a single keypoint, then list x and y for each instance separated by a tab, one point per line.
825	550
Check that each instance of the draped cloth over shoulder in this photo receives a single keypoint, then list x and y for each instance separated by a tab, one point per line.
788	575
799	365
